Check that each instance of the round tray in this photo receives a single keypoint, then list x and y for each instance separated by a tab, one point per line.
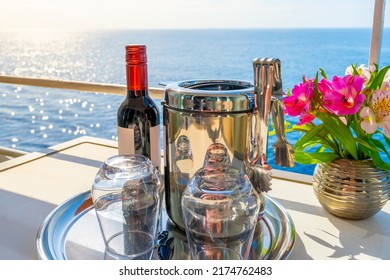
71	232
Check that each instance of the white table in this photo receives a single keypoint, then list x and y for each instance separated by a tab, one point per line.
31	186
321	235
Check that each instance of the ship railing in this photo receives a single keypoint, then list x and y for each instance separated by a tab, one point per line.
155	93
8	153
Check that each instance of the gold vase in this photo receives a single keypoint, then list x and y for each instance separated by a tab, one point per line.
351	189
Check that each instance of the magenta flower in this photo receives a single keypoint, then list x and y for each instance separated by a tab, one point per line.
306	116
346	97
299	102
324	86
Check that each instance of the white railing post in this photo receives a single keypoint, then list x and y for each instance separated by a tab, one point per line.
376	36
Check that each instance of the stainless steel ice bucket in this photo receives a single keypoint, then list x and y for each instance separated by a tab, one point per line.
208	121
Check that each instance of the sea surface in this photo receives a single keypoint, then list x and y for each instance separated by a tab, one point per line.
33	118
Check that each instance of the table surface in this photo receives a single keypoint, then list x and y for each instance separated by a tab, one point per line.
33	185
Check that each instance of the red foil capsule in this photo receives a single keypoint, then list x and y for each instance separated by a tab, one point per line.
136	67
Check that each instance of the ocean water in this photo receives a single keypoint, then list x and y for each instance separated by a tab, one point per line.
34	118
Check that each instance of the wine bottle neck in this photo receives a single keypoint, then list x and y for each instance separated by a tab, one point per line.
131	93
137	77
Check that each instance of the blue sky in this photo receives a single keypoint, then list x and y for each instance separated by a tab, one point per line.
173	14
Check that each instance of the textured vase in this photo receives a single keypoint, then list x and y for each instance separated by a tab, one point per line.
351	189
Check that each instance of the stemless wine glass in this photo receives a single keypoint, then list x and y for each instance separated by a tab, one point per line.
127	196
220	209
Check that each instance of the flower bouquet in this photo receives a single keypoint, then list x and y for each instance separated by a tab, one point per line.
345	117
345	126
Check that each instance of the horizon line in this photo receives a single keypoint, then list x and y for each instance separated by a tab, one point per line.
15	30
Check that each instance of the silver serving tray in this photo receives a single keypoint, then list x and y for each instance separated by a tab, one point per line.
71	232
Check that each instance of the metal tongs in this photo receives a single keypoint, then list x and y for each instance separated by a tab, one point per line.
269	99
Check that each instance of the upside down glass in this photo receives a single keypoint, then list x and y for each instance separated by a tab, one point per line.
127	196
220	209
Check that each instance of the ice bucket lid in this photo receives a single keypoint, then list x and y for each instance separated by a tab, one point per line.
210	95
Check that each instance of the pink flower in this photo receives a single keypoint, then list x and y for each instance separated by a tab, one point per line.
378	114
368	123
364	72
324	86
345	97
301	97
385	87
299	103
306	116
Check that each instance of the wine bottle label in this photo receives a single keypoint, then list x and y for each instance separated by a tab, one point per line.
129	142
155	149
126	140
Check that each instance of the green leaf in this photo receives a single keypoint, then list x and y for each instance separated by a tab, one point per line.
380	145
379	162
367	145
309	136
321	143
376	83
377	146
322	72
355	70
340	132
318	157
304	127
386	138
315	136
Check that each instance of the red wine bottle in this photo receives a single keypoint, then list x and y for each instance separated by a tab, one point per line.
138	116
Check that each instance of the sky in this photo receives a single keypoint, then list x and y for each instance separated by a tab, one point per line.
183	14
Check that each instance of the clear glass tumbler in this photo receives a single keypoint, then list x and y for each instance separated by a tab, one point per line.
127	194
220	209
